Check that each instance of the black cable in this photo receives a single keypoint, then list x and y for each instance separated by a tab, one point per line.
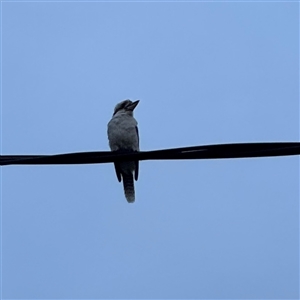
220	151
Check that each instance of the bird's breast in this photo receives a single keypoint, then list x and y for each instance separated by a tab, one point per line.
122	134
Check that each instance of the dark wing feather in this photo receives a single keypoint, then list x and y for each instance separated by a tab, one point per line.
118	171
136	171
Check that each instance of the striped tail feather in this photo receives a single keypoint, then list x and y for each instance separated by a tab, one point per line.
128	185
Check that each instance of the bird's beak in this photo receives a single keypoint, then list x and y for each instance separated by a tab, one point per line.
133	105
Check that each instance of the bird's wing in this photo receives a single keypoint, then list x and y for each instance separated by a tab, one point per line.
138	137
136	171
118	171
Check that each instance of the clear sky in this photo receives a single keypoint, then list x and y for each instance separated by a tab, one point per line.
205	73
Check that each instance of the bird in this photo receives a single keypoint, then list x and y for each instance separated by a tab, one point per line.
123	137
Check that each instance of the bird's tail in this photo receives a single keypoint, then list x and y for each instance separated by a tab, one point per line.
128	186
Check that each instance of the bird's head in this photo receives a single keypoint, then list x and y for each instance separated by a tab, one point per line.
126	106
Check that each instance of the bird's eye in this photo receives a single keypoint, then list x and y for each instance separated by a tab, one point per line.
124	104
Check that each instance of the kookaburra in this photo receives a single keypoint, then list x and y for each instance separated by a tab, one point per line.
123	137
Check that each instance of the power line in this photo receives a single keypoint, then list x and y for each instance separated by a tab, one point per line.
218	151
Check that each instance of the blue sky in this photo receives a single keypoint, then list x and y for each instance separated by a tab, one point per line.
205	73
